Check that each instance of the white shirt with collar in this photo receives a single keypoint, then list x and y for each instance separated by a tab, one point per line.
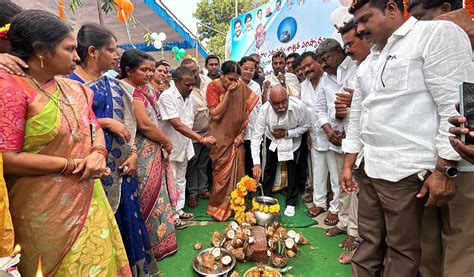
171	104
291	81
402	123
309	98
201	111
298	124
326	96
255	87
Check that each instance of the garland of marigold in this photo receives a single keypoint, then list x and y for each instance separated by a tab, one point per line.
469	4
238	195
406	15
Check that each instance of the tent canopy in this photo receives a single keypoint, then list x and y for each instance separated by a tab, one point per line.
150	14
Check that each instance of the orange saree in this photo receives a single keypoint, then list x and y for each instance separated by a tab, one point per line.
227	160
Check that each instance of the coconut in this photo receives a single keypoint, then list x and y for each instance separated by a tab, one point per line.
208	260
237	243
279	261
248	232
239	254
216	252
290	253
291	234
297	238
197	246
226	260
270	231
230	234
303	240
234	225
251	240
216	239
289	243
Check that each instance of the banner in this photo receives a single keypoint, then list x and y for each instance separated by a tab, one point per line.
287	26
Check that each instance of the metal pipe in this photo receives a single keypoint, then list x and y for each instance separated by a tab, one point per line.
99	10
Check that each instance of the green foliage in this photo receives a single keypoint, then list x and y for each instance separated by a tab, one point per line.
107	5
218	14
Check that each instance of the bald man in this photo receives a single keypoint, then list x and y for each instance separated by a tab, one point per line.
282	120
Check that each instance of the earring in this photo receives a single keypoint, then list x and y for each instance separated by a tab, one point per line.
41	61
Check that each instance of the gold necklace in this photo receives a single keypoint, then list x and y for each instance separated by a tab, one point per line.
76	133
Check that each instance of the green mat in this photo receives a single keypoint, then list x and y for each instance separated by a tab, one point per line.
320	261
300	220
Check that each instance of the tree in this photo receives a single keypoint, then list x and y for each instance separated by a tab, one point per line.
217	14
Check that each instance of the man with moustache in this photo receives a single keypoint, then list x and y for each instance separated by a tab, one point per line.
282	120
281	77
340	73
177	116
237	29
411	87
297	68
196	173
358	49
313	72
447	233
212	65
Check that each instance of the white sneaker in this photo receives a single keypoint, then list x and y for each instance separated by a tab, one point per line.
290	210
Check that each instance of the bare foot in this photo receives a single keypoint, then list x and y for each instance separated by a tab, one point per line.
334	231
349	243
346	257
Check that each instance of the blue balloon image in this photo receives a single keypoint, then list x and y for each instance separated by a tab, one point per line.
287	29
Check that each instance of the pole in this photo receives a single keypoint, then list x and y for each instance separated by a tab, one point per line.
197	41
236	8
99	10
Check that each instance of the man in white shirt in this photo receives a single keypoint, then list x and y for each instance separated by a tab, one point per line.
282	120
177	116
447	225
196	173
330	130
248	66
402	127
358	49
281	77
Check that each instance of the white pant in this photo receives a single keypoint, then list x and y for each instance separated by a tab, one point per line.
179	173
322	163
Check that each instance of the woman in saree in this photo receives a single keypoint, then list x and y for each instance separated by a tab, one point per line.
157	191
230	103
54	155
112	105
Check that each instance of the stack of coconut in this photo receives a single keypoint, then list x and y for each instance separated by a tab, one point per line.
248	242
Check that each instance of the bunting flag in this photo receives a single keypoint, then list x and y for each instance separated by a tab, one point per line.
405	12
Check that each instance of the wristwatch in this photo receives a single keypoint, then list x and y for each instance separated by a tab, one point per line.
448	171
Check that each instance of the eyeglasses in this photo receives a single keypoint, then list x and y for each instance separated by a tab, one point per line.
389	57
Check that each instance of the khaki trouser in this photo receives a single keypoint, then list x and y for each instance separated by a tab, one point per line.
447	236
389	223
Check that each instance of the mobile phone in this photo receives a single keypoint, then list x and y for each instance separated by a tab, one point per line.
466	108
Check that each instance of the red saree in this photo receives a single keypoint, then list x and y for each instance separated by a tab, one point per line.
227	160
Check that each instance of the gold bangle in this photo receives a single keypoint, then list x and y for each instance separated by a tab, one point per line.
65	167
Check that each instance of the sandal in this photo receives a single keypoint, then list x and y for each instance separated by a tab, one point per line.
186	216
314	211
308	198
192	202
331	219
179	224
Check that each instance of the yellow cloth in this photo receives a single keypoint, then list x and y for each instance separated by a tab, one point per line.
98	251
7	238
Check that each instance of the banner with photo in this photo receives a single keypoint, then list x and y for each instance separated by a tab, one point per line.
287	26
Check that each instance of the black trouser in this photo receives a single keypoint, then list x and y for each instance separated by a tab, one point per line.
248	159
302	165
270	172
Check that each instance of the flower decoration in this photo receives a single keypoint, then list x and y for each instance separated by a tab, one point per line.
269	209
238	197
4	30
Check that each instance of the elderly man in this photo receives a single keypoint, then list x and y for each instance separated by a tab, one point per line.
177	117
282	120
340	73
196	174
415	68
281	77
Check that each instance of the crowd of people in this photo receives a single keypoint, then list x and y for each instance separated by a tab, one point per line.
102	148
